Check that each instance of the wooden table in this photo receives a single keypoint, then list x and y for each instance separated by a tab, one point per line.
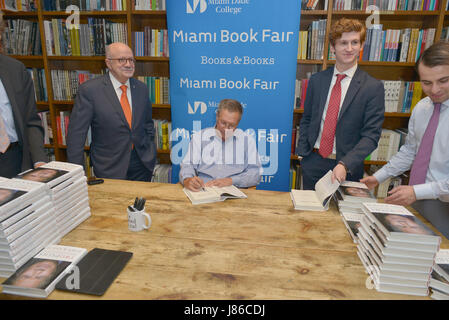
255	248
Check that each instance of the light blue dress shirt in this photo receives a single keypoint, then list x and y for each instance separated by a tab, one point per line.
437	179
6	114
210	158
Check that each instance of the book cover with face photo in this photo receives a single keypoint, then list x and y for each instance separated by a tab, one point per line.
356	191
40	174
403	224
37	273
7	195
38	276
396	222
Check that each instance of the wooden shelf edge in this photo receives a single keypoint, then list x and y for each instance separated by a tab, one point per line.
305	61
149	12
398	114
75	58
8	13
20	57
388	13
161	106
159	59
366	162
380	63
313	12
85	13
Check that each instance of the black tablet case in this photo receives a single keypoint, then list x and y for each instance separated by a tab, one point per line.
98	269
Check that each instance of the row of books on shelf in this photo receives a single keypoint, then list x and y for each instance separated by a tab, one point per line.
444	34
62	123
84	40
389	144
151	42
311	41
65	83
396	45
399	252
50	153
312	4
159	88
295	177
162	173
149	4
40	84
391	45
21	37
162	129
88	169
387	5
18	5
46	124
402	96
85	5
37	208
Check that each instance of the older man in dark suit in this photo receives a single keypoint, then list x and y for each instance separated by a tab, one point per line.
118	110
343	112
21	133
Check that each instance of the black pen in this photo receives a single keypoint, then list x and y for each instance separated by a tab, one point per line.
196	174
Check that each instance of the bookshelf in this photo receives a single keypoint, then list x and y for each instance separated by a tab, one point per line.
134	20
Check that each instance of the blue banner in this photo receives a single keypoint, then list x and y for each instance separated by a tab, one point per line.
239	49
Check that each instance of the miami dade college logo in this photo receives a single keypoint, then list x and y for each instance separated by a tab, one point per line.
196	105
202	3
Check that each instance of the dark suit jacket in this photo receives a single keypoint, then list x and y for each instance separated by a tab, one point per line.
97	105
20	89
359	123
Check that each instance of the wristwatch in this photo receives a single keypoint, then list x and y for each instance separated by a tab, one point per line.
343	164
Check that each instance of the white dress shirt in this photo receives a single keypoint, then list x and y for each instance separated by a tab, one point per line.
210	158
437	178
7	115
344	89
116	84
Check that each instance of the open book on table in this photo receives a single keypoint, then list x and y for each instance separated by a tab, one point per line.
317	200
214	194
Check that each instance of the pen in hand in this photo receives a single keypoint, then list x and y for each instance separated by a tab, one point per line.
199	180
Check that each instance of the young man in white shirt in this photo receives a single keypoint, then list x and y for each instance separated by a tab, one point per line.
425	150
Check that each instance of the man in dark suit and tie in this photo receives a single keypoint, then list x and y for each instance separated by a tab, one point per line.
343	112
21	133
117	107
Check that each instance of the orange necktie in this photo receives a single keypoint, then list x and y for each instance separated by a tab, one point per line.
125	105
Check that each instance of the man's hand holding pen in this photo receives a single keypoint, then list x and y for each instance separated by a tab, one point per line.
194	184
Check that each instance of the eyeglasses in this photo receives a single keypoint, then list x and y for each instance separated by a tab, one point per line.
124	60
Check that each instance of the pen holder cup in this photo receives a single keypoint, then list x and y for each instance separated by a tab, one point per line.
136	220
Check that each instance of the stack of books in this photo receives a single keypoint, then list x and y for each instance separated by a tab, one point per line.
397	249
352	222
68	191
27	222
439	282
351	195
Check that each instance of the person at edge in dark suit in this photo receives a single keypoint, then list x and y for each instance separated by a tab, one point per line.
343	112
118	109
21	132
